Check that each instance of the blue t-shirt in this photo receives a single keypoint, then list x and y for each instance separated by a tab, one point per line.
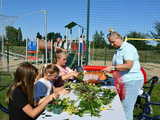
42	88
128	52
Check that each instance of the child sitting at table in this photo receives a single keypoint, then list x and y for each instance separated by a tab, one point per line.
65	72
44	84
20	94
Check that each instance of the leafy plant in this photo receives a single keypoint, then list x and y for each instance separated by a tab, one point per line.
90	99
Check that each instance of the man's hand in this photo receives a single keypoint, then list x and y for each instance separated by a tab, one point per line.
109	69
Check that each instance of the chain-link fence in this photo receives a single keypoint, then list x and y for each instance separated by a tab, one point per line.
13	44
5	21
149	58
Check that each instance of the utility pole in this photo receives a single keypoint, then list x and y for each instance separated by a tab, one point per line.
87	38
45	12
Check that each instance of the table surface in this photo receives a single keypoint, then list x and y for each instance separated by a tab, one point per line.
114	113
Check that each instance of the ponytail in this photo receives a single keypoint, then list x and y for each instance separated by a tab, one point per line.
113	33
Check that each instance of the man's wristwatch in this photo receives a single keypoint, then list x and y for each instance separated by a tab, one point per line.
114	68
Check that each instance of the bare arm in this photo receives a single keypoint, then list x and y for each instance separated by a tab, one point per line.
69	75
34	112
126	66
121	67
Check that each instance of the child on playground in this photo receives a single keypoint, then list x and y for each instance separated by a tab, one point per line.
21	100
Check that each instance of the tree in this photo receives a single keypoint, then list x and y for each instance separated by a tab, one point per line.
19	36
158	46
139	44
156	34
23	43
39	35
12	35
99	40
51	36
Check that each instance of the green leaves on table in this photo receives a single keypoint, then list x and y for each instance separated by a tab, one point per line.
91	99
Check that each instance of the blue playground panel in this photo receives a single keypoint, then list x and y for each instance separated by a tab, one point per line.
32	45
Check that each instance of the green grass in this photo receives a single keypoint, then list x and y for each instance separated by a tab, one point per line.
5	80
154	98
149	56
17	49
102	54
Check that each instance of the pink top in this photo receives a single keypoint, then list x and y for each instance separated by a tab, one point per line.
64	70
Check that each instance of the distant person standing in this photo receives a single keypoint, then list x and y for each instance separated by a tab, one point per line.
126	62
58	44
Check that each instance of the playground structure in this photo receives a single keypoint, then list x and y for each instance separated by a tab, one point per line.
42	51
75	47
39	56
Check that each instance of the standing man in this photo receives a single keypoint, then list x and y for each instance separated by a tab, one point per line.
126	61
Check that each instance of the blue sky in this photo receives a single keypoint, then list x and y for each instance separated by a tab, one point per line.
122	15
